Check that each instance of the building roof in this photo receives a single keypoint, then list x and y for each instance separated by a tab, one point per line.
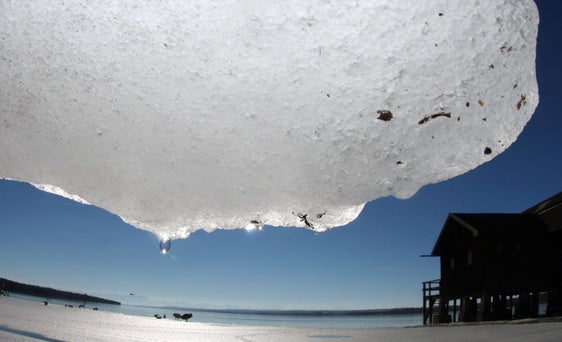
550	211
541	218
491	226
549	204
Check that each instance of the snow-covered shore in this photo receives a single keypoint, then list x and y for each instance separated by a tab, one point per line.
22	320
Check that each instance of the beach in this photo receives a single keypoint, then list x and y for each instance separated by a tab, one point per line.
23	320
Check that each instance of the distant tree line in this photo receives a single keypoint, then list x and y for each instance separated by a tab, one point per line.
46	292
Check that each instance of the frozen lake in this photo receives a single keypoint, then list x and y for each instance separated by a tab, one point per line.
24	320
253	319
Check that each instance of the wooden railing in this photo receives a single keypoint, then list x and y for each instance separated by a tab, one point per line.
431	297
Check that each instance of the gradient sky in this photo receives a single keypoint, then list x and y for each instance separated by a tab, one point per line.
374	262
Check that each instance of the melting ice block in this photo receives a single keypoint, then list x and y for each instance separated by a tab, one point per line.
187	115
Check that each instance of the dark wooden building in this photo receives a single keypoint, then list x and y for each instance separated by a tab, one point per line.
497	266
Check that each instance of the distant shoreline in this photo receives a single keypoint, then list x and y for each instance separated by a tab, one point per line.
50	293
369	312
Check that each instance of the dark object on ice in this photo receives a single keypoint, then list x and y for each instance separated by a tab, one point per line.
433	116
384	115
305	220
82	306
497	266
521	102
95	309
487	150
158	316
46	303
186	316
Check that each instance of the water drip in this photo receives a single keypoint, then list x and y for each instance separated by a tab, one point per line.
165	245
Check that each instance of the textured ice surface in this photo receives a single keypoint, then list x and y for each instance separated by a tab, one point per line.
186	115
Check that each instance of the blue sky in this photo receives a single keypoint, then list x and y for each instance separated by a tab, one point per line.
374	262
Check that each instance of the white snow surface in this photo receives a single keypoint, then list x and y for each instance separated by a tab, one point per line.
187	115
22	320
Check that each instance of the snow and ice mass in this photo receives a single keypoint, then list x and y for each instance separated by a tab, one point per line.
179	116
